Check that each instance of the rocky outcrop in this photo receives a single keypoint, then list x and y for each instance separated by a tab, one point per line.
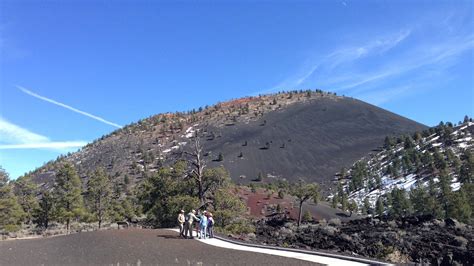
420	239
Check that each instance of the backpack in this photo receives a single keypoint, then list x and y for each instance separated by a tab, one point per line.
186	218
210	222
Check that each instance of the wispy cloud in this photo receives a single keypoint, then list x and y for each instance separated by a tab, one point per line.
45	145
383	96
15	137
378	46
11	133
344	56
67	107
386	65
440	56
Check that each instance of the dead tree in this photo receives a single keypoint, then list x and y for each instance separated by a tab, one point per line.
198	165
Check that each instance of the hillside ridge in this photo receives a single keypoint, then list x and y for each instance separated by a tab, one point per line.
287	135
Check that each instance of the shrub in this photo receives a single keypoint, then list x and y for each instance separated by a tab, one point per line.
281	194
334	221
227	207
11	228
307	217
239	227
253	189
323	222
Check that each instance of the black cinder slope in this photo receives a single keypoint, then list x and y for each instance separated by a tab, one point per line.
309	140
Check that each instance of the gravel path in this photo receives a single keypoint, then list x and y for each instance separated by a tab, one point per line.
129	246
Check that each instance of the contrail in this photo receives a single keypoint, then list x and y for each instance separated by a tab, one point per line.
67	107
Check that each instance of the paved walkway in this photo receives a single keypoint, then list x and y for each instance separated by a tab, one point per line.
282	253
288	254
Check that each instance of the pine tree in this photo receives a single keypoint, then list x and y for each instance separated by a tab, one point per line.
447	136
26	191
400	204
67	190
11	213
439	160
352	207
406	164
334	202
121	210
4	177
253	188
388	143
370	184
359	173
445	191
220	157
304	192
281	193
408	143
343	173
460	207
344	201
392	170
126	180
378	181
432	202
415	157
259	177
427	159
307	217
379	208
417	137
450	156
388	200
466	173
418	198
456	165
99	194
44	213
227	207
366	207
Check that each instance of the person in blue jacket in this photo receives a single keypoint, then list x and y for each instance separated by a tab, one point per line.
203	225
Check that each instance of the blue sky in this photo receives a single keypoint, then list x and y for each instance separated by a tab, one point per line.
71	72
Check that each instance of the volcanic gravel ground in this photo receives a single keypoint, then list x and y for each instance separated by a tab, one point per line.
129	246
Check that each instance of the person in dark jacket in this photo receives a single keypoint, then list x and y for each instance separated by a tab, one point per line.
210	225
188	223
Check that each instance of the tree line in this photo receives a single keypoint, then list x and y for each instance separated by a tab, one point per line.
98	198
67	201
435	167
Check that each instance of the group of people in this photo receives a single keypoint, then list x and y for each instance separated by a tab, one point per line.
204	224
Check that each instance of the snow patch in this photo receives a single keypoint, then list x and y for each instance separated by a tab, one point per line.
456	186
